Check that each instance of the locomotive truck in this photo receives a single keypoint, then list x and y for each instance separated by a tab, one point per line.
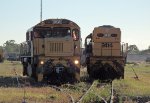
104	53
52	51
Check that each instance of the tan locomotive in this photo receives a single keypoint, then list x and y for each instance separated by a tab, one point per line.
52	51
105	56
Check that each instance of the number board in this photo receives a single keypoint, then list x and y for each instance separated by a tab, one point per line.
107	45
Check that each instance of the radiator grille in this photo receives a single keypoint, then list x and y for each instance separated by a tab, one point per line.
56	47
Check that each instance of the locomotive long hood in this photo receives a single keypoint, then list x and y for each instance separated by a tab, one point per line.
58	47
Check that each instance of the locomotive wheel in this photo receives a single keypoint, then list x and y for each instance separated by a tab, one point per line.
88	69
24	70
120	71
34	73
29	70
90	72
94	71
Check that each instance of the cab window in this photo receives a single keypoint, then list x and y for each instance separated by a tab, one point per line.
36	34
100	34
113	35
75	34
61	32
42	32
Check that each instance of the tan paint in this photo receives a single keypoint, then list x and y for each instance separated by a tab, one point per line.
106	31
37	44
99	49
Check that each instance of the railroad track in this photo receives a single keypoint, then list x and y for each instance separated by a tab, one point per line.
111	90
66	90
102	85
84	94
57	88
22	82
112	93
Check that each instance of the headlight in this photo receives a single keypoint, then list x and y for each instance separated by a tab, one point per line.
41	62
76	62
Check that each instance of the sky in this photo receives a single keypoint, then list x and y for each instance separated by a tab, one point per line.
131	16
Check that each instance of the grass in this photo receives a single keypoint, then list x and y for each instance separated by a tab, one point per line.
13	94
7	68
91	98
129	87
98	93
43	94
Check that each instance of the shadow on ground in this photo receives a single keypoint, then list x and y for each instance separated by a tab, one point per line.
17	82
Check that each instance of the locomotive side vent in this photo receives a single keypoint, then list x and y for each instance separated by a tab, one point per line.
56	47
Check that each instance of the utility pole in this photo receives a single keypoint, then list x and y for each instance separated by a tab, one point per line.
41	11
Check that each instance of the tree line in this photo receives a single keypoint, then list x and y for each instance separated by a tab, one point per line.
11	50
10	46
133	49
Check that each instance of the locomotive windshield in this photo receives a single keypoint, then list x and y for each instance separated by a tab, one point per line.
56	32
61	32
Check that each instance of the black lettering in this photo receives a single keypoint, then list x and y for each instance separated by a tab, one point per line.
107	45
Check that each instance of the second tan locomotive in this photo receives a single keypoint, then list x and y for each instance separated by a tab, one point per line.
105	56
